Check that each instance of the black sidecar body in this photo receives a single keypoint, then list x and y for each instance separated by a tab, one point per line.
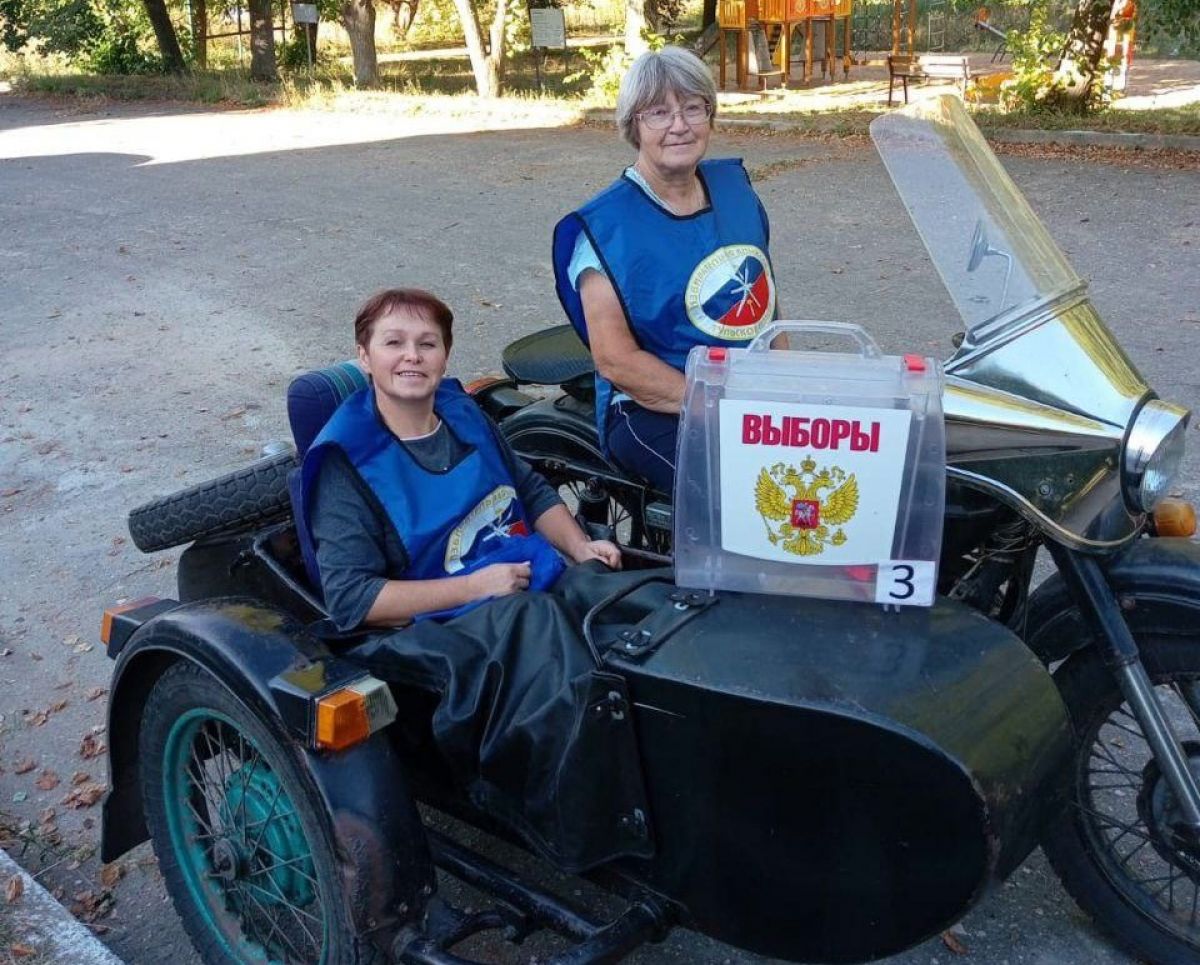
823	781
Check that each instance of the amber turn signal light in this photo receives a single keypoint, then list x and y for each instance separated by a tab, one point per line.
1175	517
111	614
352	714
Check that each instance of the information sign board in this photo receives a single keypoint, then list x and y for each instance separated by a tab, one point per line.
548	26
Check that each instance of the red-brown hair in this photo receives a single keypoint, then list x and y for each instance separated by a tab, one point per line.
416	300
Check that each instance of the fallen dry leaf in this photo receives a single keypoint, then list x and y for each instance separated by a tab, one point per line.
57	706
14	889
47	780
96	693
110	874
83	647
17	950
6	652
35	656
63	684
72	639
90	905
91	746
37	719
47	816
79	777
950	940
84	796
24	765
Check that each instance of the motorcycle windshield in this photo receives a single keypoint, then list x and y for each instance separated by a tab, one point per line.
993	254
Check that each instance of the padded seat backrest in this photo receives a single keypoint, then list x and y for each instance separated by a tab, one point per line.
311	399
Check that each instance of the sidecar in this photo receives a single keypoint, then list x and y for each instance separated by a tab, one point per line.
809	779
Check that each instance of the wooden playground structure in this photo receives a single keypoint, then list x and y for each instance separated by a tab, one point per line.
778	20
763	32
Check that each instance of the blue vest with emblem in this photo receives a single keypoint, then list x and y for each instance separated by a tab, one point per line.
450	523
700	279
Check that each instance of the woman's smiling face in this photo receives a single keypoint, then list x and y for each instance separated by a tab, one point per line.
679	147
405	356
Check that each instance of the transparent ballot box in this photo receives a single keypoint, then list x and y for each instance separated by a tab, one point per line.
811	473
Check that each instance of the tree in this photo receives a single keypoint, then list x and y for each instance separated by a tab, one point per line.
164	33
358	17
1081	68
487	62
262	41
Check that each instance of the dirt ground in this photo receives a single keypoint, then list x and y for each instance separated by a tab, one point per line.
164	273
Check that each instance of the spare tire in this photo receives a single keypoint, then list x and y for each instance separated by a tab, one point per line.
239	500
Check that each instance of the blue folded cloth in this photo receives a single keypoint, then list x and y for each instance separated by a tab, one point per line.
546	566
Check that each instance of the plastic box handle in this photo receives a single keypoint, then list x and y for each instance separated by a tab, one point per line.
866	345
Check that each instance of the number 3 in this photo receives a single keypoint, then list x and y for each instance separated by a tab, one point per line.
905	581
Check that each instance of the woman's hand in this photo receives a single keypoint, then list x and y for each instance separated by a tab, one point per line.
598	549
500	579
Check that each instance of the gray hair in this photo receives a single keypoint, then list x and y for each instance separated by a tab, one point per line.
655	74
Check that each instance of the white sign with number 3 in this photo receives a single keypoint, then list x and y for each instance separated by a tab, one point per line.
905	583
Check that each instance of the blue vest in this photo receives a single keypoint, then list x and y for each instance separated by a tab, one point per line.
450	523
700	279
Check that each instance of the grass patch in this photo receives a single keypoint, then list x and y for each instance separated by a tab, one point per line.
853	121
1162	120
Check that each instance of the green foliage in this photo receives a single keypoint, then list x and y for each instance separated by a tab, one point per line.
1172	26
102	36
605	69
57	26
1038	84
1035	52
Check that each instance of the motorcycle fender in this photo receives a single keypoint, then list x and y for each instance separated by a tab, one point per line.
1157	583
264	657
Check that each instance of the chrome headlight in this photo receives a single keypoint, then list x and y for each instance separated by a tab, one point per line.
1153	451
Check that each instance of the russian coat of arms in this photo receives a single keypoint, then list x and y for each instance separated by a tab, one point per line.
811	516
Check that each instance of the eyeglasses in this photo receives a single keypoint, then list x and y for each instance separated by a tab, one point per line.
660	118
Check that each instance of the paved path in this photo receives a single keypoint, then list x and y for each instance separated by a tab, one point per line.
165	272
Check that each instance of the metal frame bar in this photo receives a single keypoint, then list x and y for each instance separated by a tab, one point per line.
523	909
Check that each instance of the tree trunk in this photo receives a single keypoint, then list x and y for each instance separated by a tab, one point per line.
404	12
709	13
486	80
200	32
637	19
164	33
496	61
358	17
1081	68
262	41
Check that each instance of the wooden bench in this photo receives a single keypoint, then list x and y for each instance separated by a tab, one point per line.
955	67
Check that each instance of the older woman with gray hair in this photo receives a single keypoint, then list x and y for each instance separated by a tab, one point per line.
672	255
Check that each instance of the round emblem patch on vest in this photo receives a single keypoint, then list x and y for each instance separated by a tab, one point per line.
731	294
494	518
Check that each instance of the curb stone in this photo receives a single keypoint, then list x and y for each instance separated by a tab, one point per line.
48	926
1135	141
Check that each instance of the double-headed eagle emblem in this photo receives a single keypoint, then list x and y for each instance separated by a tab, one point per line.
805	521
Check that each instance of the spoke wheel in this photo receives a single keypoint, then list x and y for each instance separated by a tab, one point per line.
236	830
1115	844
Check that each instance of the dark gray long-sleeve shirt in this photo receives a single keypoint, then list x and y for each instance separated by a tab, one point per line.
358	549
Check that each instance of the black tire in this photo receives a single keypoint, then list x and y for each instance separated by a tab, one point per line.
249	884
245	498
1107	844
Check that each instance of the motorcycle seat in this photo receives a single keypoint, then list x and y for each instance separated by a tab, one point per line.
312	399
553	356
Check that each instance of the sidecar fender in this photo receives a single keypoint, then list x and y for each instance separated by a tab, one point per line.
268	661
1157	581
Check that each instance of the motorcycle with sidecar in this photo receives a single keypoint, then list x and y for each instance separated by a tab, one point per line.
809	778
